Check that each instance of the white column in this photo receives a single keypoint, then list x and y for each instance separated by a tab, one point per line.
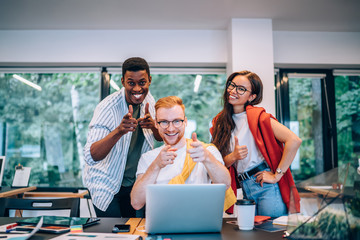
250	47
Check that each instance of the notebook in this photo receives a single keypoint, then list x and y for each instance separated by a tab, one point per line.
192	208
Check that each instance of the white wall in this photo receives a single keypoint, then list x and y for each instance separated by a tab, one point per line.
157	46
317	48
174	46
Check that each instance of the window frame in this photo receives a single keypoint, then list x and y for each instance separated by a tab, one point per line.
330	155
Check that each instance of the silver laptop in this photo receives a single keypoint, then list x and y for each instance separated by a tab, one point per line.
192	208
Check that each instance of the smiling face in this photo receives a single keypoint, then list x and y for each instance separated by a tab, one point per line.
235	99
171	135
136	86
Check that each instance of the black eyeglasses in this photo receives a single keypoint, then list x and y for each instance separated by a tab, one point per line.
176	123
239	89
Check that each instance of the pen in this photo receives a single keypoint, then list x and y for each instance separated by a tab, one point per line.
3	236
10	230
80	235
10	226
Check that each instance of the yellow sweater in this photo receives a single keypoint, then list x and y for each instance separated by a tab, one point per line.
189	165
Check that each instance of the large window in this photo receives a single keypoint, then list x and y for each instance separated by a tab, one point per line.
323	108
347	96
44	126
306	105
306	122
46	129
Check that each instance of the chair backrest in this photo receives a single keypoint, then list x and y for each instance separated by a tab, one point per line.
39	204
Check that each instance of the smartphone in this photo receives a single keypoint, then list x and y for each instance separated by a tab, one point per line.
121	228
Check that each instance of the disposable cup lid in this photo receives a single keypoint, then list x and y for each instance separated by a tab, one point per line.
245	202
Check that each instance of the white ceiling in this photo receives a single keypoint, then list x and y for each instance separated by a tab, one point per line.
287	15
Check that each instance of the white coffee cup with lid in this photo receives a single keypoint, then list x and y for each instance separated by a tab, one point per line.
245	213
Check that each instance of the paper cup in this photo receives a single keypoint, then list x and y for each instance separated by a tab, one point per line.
245	214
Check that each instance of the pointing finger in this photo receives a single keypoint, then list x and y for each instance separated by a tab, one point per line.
167	147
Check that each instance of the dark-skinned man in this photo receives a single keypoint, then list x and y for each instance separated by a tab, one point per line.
121	129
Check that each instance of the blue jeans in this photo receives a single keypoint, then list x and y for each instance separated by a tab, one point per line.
267	198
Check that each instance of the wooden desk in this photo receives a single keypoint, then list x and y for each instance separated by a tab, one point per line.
16	191
228	232
56	194
29	192
332	193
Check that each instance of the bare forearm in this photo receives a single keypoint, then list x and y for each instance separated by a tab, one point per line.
138	193
229	160
217	172
290	149
291	145
100	149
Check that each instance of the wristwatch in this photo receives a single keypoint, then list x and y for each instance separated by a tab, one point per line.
279	171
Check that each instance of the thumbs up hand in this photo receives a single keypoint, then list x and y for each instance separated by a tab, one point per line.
198	152
128	123
240	152
147	121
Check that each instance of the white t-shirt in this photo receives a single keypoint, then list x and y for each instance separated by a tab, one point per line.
245	137
198	175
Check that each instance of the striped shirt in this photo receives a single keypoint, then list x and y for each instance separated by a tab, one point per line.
103	178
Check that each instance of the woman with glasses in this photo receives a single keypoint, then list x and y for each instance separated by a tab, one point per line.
256	148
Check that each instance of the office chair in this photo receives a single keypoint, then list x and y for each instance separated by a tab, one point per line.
39	204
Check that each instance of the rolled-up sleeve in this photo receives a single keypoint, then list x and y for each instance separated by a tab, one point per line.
96	133
100	126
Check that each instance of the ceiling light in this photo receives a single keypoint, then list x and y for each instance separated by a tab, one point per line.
114	85
197	83
31	84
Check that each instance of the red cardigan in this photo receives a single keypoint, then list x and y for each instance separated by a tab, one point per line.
271	149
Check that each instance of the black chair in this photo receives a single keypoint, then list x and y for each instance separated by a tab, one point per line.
39	204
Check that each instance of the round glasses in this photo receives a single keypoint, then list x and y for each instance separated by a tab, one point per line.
176	123
239	89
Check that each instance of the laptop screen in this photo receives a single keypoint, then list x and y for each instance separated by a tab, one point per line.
172	208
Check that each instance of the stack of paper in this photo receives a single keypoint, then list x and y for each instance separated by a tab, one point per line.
294	219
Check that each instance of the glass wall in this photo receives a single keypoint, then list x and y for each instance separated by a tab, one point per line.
347	97
44	126
322	106
306	122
